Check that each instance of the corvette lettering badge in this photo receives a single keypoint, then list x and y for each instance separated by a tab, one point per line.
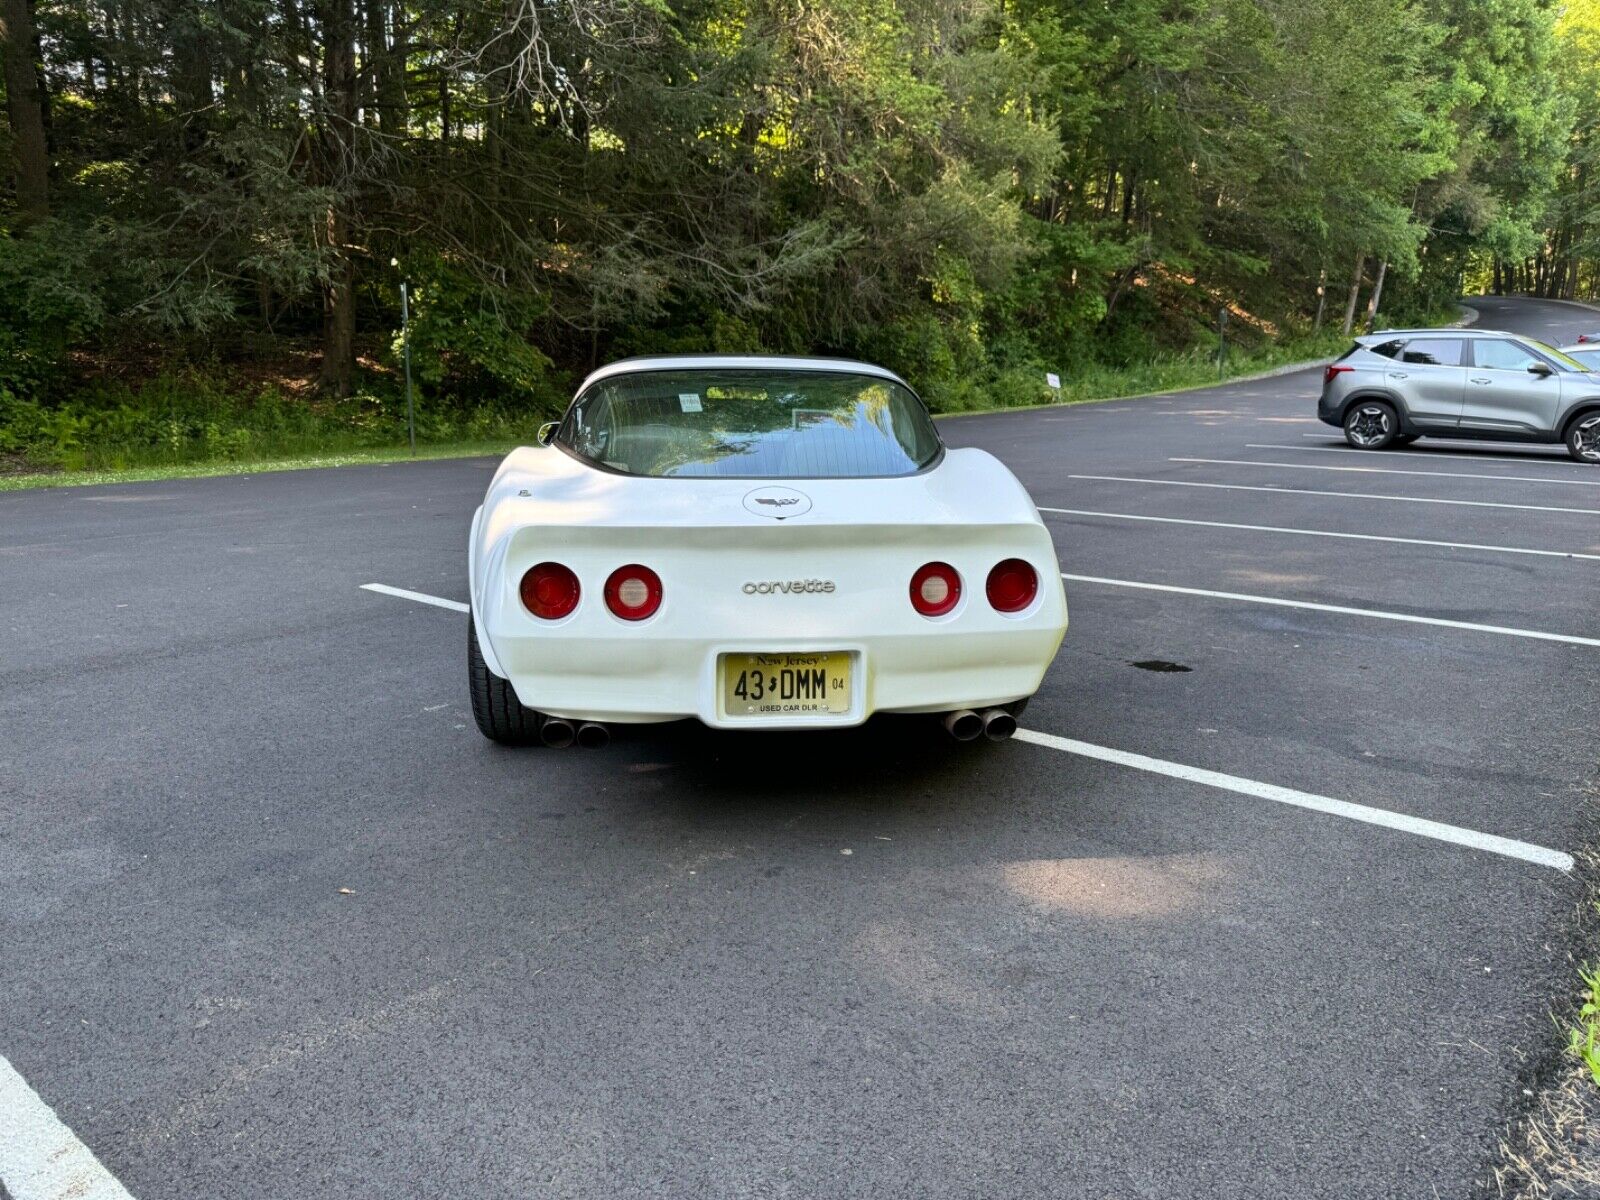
787	586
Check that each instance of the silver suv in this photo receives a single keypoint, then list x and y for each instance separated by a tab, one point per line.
1393	387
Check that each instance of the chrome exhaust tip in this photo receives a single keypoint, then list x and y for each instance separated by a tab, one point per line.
998	724
964	725
593	736
557	733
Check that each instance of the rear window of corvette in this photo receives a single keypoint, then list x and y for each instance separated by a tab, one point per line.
751	423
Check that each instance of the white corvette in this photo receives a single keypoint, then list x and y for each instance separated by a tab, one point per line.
759	543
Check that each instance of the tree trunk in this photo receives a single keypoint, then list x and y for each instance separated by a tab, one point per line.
444	84
191	82
338	120
1322	299
388	66
25	109
338	313
1377	295
1355	293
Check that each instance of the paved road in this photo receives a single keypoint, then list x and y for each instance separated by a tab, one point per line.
863	964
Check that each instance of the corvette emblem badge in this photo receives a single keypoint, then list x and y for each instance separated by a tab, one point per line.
779	503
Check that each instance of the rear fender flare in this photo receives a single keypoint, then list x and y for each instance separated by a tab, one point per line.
474	550
1583	408
1388	397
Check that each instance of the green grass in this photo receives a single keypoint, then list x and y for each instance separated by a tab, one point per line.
1196	368
1174	373
184	429
199	470
1584	1037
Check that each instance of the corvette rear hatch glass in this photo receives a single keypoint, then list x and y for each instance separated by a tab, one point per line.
751	423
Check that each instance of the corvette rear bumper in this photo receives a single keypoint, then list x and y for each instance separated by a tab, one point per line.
627	680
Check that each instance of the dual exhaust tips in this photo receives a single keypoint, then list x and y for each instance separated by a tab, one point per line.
965	725
558	733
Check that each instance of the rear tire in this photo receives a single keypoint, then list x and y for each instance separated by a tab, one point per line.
1583	438
501	717
1371	425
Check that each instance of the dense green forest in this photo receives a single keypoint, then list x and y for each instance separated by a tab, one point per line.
212	204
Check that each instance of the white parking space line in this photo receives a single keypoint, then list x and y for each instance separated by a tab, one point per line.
1455	834
420	597
1489	842
1342	609
1488	460
40	1158
1251	462
1513	451
1327	533
1289	491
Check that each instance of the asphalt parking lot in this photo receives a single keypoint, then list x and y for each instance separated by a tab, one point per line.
1274	900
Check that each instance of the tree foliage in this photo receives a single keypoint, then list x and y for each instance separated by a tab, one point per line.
969	190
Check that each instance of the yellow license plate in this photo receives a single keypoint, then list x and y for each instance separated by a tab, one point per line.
784	685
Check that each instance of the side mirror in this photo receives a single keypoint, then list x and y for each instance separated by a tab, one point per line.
1541	369
546	432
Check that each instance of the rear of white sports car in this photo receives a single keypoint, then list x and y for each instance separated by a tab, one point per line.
759	544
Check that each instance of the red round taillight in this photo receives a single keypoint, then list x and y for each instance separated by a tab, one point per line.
935	589
1012	585
549	591
633	592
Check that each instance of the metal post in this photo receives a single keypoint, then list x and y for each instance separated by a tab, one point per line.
405	345
1222	341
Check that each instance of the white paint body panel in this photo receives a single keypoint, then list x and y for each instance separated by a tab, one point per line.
866	535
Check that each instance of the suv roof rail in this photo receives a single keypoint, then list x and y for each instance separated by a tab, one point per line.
1448	331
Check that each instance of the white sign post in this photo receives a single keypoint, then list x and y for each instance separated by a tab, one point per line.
1054	382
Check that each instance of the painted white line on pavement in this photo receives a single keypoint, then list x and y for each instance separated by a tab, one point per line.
1289	491
1346	610
40	1158
1509	446
420	597
1490	460
1455	834
1489	842
1362	537
1251	462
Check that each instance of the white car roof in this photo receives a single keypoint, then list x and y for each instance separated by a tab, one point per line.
713	362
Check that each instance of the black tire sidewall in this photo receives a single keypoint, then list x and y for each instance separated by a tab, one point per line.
1394	423
499	715
1572	440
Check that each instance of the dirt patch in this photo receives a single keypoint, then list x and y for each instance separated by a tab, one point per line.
1551	1148
16	464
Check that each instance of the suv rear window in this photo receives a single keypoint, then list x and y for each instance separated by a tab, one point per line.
753	423
1437	352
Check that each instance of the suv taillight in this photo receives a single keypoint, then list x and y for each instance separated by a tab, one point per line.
1331	370
935	589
